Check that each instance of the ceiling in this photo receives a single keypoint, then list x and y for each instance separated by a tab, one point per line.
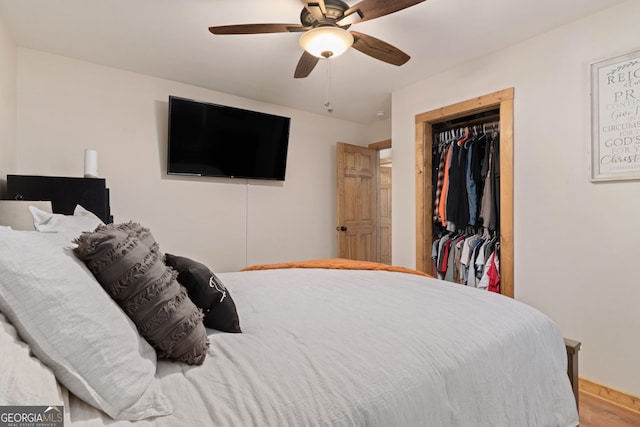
170	39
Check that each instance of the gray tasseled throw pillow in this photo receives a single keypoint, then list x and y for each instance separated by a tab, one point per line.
143	234
134	275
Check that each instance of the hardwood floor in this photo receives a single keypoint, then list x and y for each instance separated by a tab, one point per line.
597	412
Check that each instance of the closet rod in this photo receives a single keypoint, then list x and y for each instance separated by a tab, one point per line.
470	122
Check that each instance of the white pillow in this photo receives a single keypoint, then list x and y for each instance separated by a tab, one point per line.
70	225
25	380
75	328
15	213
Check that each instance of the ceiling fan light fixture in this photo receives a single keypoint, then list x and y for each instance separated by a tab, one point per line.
325	42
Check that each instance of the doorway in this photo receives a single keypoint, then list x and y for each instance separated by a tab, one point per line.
503	101
364	202
385	160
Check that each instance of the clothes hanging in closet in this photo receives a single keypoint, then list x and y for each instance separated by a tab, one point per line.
466	195
467	178
468	259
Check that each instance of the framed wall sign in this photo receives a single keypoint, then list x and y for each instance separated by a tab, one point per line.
615	118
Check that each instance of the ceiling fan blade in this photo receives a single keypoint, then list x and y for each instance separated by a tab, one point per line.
323	7
352	18
318	3
306	64
371	9
317	11
378	49
256	28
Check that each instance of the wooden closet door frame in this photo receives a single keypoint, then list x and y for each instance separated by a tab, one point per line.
424	131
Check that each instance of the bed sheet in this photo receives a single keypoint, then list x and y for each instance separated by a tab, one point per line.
367	348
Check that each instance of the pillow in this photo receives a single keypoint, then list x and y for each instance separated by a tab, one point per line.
72	225
16	214
141	233
147	290
74	328
207	292
25	380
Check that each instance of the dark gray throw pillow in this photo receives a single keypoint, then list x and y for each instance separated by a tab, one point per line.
134	275
207	292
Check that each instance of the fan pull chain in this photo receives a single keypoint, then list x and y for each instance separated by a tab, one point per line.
327	102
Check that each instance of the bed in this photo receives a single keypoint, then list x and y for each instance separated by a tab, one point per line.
319	347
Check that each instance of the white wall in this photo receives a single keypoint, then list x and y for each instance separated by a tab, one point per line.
8	93
379	130
575	241
66	106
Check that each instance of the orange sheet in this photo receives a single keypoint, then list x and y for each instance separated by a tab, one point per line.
336	263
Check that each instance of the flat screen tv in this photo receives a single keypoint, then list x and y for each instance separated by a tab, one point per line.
215	140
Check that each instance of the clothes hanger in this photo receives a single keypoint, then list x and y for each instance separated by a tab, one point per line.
465	137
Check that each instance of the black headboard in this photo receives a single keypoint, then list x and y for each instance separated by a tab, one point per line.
63	192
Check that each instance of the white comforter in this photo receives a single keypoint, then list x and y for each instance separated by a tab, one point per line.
365	348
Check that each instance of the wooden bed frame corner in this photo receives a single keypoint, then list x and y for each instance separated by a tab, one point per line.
573	347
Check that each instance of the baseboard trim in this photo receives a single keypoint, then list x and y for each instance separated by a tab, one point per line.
614	396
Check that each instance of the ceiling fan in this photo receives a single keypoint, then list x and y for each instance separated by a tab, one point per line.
324	25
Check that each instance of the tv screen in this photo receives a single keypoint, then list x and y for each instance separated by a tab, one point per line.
214	140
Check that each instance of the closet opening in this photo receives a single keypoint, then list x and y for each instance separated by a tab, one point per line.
495	110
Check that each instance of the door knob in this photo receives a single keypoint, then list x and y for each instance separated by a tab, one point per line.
341	228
